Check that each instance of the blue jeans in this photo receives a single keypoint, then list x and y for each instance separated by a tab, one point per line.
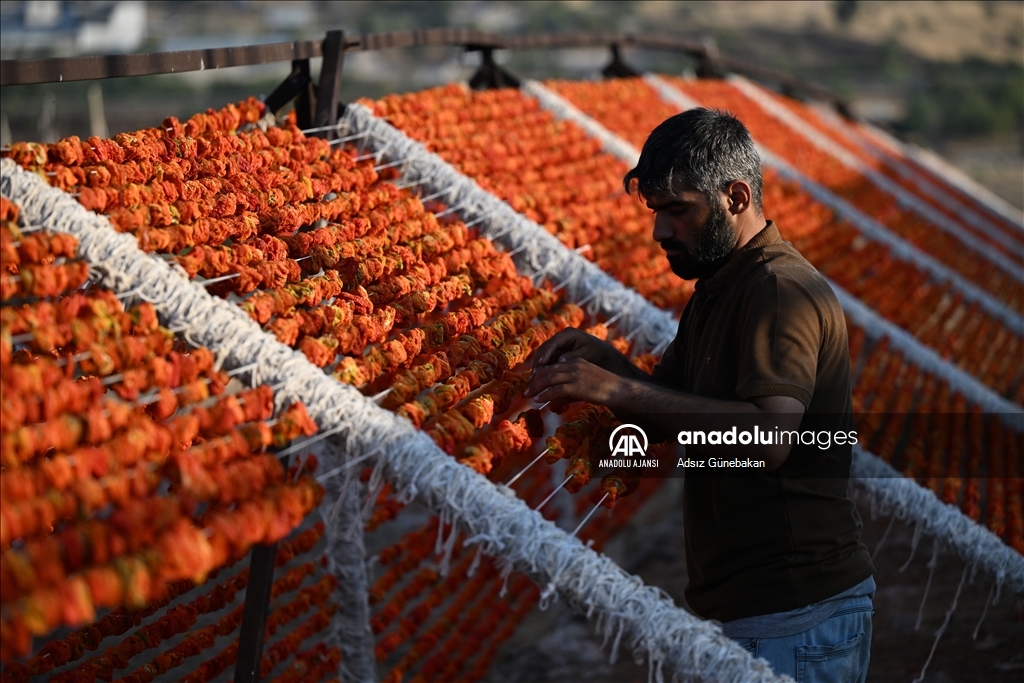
835	651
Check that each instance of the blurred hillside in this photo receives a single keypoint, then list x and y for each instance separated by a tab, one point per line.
947	75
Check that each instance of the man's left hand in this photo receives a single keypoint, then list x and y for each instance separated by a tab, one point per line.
575	380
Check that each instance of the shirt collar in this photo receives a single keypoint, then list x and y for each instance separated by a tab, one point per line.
739	258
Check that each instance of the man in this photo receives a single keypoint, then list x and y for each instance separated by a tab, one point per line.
773	553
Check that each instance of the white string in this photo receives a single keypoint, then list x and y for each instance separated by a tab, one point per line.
345	466
881	542
984	612
295	447
589	515
523	471
337	141
942	628
928	585
914	541
449	210
552	494
389	165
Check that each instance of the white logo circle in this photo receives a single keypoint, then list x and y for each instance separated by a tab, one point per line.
627	444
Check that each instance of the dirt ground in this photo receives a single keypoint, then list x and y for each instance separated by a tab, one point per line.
559	647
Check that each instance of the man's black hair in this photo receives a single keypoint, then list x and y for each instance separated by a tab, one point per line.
705	149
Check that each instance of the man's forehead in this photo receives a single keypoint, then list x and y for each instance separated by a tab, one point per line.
684	193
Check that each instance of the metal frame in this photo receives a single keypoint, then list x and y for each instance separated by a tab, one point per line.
59	69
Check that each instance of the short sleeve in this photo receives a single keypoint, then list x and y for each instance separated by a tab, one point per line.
781	329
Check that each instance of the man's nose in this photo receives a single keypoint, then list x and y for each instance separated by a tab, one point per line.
662	229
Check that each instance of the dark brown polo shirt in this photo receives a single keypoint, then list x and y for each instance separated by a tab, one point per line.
759	542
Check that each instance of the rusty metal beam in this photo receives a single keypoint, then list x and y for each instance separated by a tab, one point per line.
25	71
59	69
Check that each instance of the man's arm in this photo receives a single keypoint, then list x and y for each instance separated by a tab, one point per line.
663	412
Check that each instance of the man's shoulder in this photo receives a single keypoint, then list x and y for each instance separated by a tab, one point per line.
782	262
792	278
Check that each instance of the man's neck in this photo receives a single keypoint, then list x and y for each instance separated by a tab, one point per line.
748	228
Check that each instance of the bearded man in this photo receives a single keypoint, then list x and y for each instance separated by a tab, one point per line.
772	553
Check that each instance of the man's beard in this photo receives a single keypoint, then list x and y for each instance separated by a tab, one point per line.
714	244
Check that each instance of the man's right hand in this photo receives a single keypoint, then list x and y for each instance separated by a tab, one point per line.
570	344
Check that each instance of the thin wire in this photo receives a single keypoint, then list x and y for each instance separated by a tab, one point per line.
130	293
390	164
984	612
239	370
85	355
660	348
482	218
552	494
206	283
447	190
587	299
341	468
294	448
892	520
927	586
618	315
539	276
321	129
523	471
413	183
450	210
589	515
338	141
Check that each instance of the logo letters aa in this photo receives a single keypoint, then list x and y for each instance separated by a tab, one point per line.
627	444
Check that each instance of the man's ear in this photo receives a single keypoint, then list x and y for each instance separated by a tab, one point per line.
740	196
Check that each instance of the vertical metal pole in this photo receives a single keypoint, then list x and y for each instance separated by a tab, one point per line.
254	616
306	100
257	607
329	89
